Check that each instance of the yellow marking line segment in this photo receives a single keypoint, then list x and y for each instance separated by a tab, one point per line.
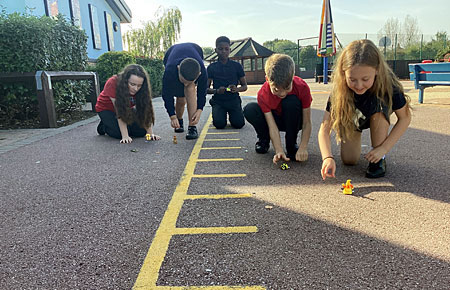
220	159
222	133
218	196
218	175
209	288
231	139
148	275
220	148
215	230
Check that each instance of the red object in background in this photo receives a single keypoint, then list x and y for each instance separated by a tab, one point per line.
426	61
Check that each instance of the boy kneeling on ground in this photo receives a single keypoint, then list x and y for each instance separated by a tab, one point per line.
283	104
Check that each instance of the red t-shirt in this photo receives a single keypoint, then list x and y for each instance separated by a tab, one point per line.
268	101
104	102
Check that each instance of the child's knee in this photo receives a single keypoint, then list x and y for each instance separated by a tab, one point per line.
219	124
349	160
238	125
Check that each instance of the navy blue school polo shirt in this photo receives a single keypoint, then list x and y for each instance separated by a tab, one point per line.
171	86
224	75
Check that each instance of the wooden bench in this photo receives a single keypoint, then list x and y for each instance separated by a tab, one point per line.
44	90
427	75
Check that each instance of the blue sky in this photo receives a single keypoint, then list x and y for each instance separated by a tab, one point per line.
203	21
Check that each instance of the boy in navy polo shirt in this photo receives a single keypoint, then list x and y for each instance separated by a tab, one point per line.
284	104
226	75
184	70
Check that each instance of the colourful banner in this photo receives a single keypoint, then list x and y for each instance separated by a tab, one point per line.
327	45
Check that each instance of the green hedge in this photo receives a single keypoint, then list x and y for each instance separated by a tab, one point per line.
30	43
113	62
155	69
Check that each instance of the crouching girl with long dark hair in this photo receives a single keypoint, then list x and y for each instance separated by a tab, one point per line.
125	106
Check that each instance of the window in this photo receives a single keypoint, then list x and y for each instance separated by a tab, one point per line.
75	13
109	31
247	64
51	7
96	40
259	64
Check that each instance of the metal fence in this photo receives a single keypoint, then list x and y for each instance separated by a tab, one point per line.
399	50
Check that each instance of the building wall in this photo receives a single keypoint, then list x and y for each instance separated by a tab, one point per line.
37	7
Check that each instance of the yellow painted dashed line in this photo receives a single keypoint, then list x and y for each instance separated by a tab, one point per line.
218	175
209	140
220	159
148	275
218	196
209	288
221	148
215	230
222	133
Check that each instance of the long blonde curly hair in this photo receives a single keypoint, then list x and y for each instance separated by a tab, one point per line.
359	52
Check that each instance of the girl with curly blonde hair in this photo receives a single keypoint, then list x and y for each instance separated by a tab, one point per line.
365	93
125	105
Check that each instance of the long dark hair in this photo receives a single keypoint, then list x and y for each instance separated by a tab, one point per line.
144	114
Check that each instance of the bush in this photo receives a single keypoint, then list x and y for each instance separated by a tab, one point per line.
111	63
155	69
28	44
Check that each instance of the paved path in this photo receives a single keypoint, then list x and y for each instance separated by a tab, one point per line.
81	211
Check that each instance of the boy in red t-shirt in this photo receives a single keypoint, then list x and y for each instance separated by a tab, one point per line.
283	104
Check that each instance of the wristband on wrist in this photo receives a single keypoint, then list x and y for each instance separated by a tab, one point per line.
327	158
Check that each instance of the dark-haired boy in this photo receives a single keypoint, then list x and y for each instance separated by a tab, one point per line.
184	70
228	79
284	104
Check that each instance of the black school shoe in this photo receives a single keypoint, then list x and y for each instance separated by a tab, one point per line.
376	170
192	133
181	129
262	146
101	128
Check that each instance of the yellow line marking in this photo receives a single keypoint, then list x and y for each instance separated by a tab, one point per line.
208	140
218	175
220	148
222	133
215	230
220	159
209	288
148	275
218	196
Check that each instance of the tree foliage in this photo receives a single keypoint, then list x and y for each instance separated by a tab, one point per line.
156	36
282	46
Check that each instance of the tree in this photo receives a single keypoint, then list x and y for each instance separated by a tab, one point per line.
308	57
156	36
207	51
282	46
410	31
391	28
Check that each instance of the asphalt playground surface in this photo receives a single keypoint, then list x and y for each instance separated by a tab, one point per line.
81	211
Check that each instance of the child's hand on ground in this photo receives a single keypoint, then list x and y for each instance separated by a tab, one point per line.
153	137
278	156
375	154
126	139
196	117
301	155
328	168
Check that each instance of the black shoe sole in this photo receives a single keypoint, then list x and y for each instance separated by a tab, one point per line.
179	130
375	176
188	137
